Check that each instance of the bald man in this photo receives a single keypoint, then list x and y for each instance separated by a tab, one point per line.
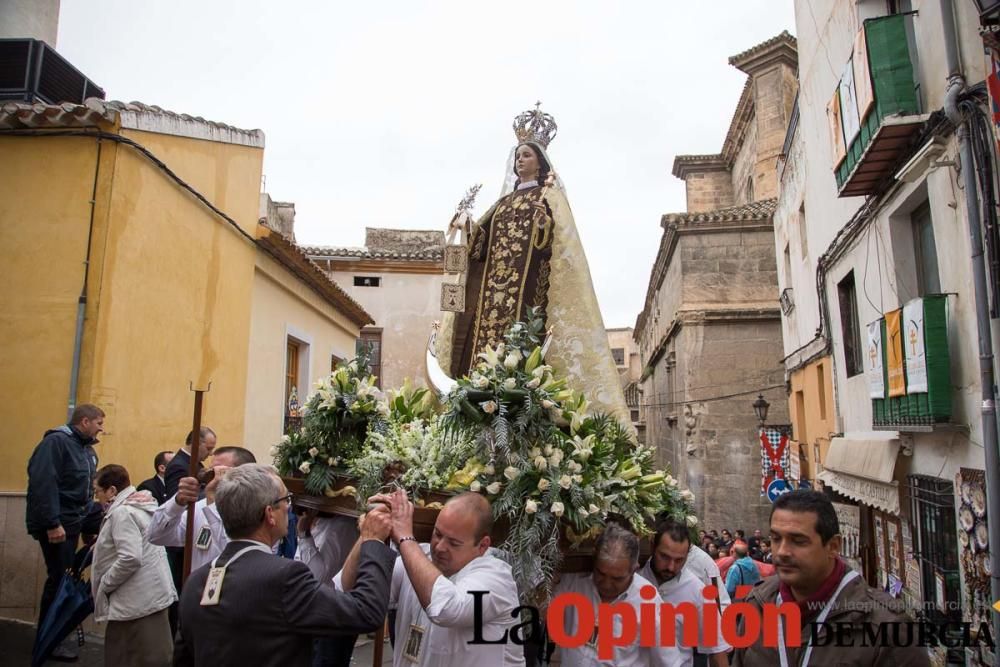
432	584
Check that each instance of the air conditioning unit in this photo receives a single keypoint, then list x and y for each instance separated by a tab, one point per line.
32	71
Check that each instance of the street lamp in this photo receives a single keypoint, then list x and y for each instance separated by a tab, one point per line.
760	407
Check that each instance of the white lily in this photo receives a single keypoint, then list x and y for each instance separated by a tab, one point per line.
475	486
491	357
305	467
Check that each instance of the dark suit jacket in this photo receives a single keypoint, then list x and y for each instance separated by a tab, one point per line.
156	487
176	469
271	607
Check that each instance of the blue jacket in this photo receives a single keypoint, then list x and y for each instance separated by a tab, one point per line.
741	572
60	481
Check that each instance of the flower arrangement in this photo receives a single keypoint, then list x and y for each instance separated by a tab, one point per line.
335	422
553	470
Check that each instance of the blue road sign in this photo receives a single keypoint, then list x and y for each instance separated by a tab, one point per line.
776	488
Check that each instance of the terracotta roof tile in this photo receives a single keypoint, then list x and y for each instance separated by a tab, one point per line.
435	255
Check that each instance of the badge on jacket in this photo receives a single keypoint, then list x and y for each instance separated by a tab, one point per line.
213	587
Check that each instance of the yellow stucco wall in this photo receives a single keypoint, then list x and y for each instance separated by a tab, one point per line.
169	298
283	306
45	191
811	406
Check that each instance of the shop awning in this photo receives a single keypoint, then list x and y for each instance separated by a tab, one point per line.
863	470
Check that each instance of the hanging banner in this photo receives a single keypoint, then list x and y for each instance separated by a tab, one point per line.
894	354
849	104
862	78
873	361
773	457
836	130
916	357
993	88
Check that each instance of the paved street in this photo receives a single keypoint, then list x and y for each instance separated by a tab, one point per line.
16	639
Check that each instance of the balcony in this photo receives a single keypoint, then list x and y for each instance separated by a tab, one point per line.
910	383
874	114
32	71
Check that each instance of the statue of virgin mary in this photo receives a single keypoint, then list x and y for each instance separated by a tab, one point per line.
525	252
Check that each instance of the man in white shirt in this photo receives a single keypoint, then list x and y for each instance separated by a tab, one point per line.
702	565
432	584
667	570
613	582
169	523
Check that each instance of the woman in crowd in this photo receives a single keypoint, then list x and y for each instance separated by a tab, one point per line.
130	577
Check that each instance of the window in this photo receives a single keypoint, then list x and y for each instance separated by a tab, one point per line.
367	281
800	416
821	390
925	251
932	506
849	328
291	372
618	354
334	362
635	415
370	344
788	266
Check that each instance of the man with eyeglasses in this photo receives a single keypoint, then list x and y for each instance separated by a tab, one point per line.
276	604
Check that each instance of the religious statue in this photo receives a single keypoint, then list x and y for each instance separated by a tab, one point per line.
525	252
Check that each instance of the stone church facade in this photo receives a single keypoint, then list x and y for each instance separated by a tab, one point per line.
709	334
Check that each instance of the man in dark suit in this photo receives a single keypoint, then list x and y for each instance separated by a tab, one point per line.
276	603
181	463
156	484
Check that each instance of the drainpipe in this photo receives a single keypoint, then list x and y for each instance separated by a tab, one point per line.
956	85
81	304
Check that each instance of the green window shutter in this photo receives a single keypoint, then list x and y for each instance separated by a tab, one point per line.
891	69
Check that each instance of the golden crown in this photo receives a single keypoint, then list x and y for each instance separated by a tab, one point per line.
535	125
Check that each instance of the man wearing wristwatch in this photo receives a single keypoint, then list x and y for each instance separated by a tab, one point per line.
432	585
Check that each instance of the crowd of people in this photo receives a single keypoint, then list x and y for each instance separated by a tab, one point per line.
268	588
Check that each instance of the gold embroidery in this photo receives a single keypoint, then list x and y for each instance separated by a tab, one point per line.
519	226
542	288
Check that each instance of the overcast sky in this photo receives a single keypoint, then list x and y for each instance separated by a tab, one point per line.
383	113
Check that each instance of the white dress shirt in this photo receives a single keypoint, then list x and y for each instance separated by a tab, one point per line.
447	623
631	655
327	545
701	565
686	588
169	524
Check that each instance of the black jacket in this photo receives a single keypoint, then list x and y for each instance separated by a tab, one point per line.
176	469
60	481
271	607
156	487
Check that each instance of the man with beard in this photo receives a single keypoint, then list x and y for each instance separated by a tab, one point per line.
677	584
832	598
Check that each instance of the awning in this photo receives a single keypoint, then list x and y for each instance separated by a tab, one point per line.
863	470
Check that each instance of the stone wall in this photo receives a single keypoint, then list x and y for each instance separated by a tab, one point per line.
404	241
709	190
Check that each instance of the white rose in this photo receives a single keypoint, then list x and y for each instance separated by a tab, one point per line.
558	509
535	451
547	450
583	513
493	488
475	486
305	467
574	466
565	481
578	479
481	381
313	452
692	520
331	461
687	496
544	484
489	469
509	384
489	407
670	481
556	458
547	404
530	507
511	361
540	463
533	384
285	438
382	409
511	473
593	509
274	450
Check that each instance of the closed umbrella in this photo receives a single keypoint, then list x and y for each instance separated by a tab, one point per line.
72	604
